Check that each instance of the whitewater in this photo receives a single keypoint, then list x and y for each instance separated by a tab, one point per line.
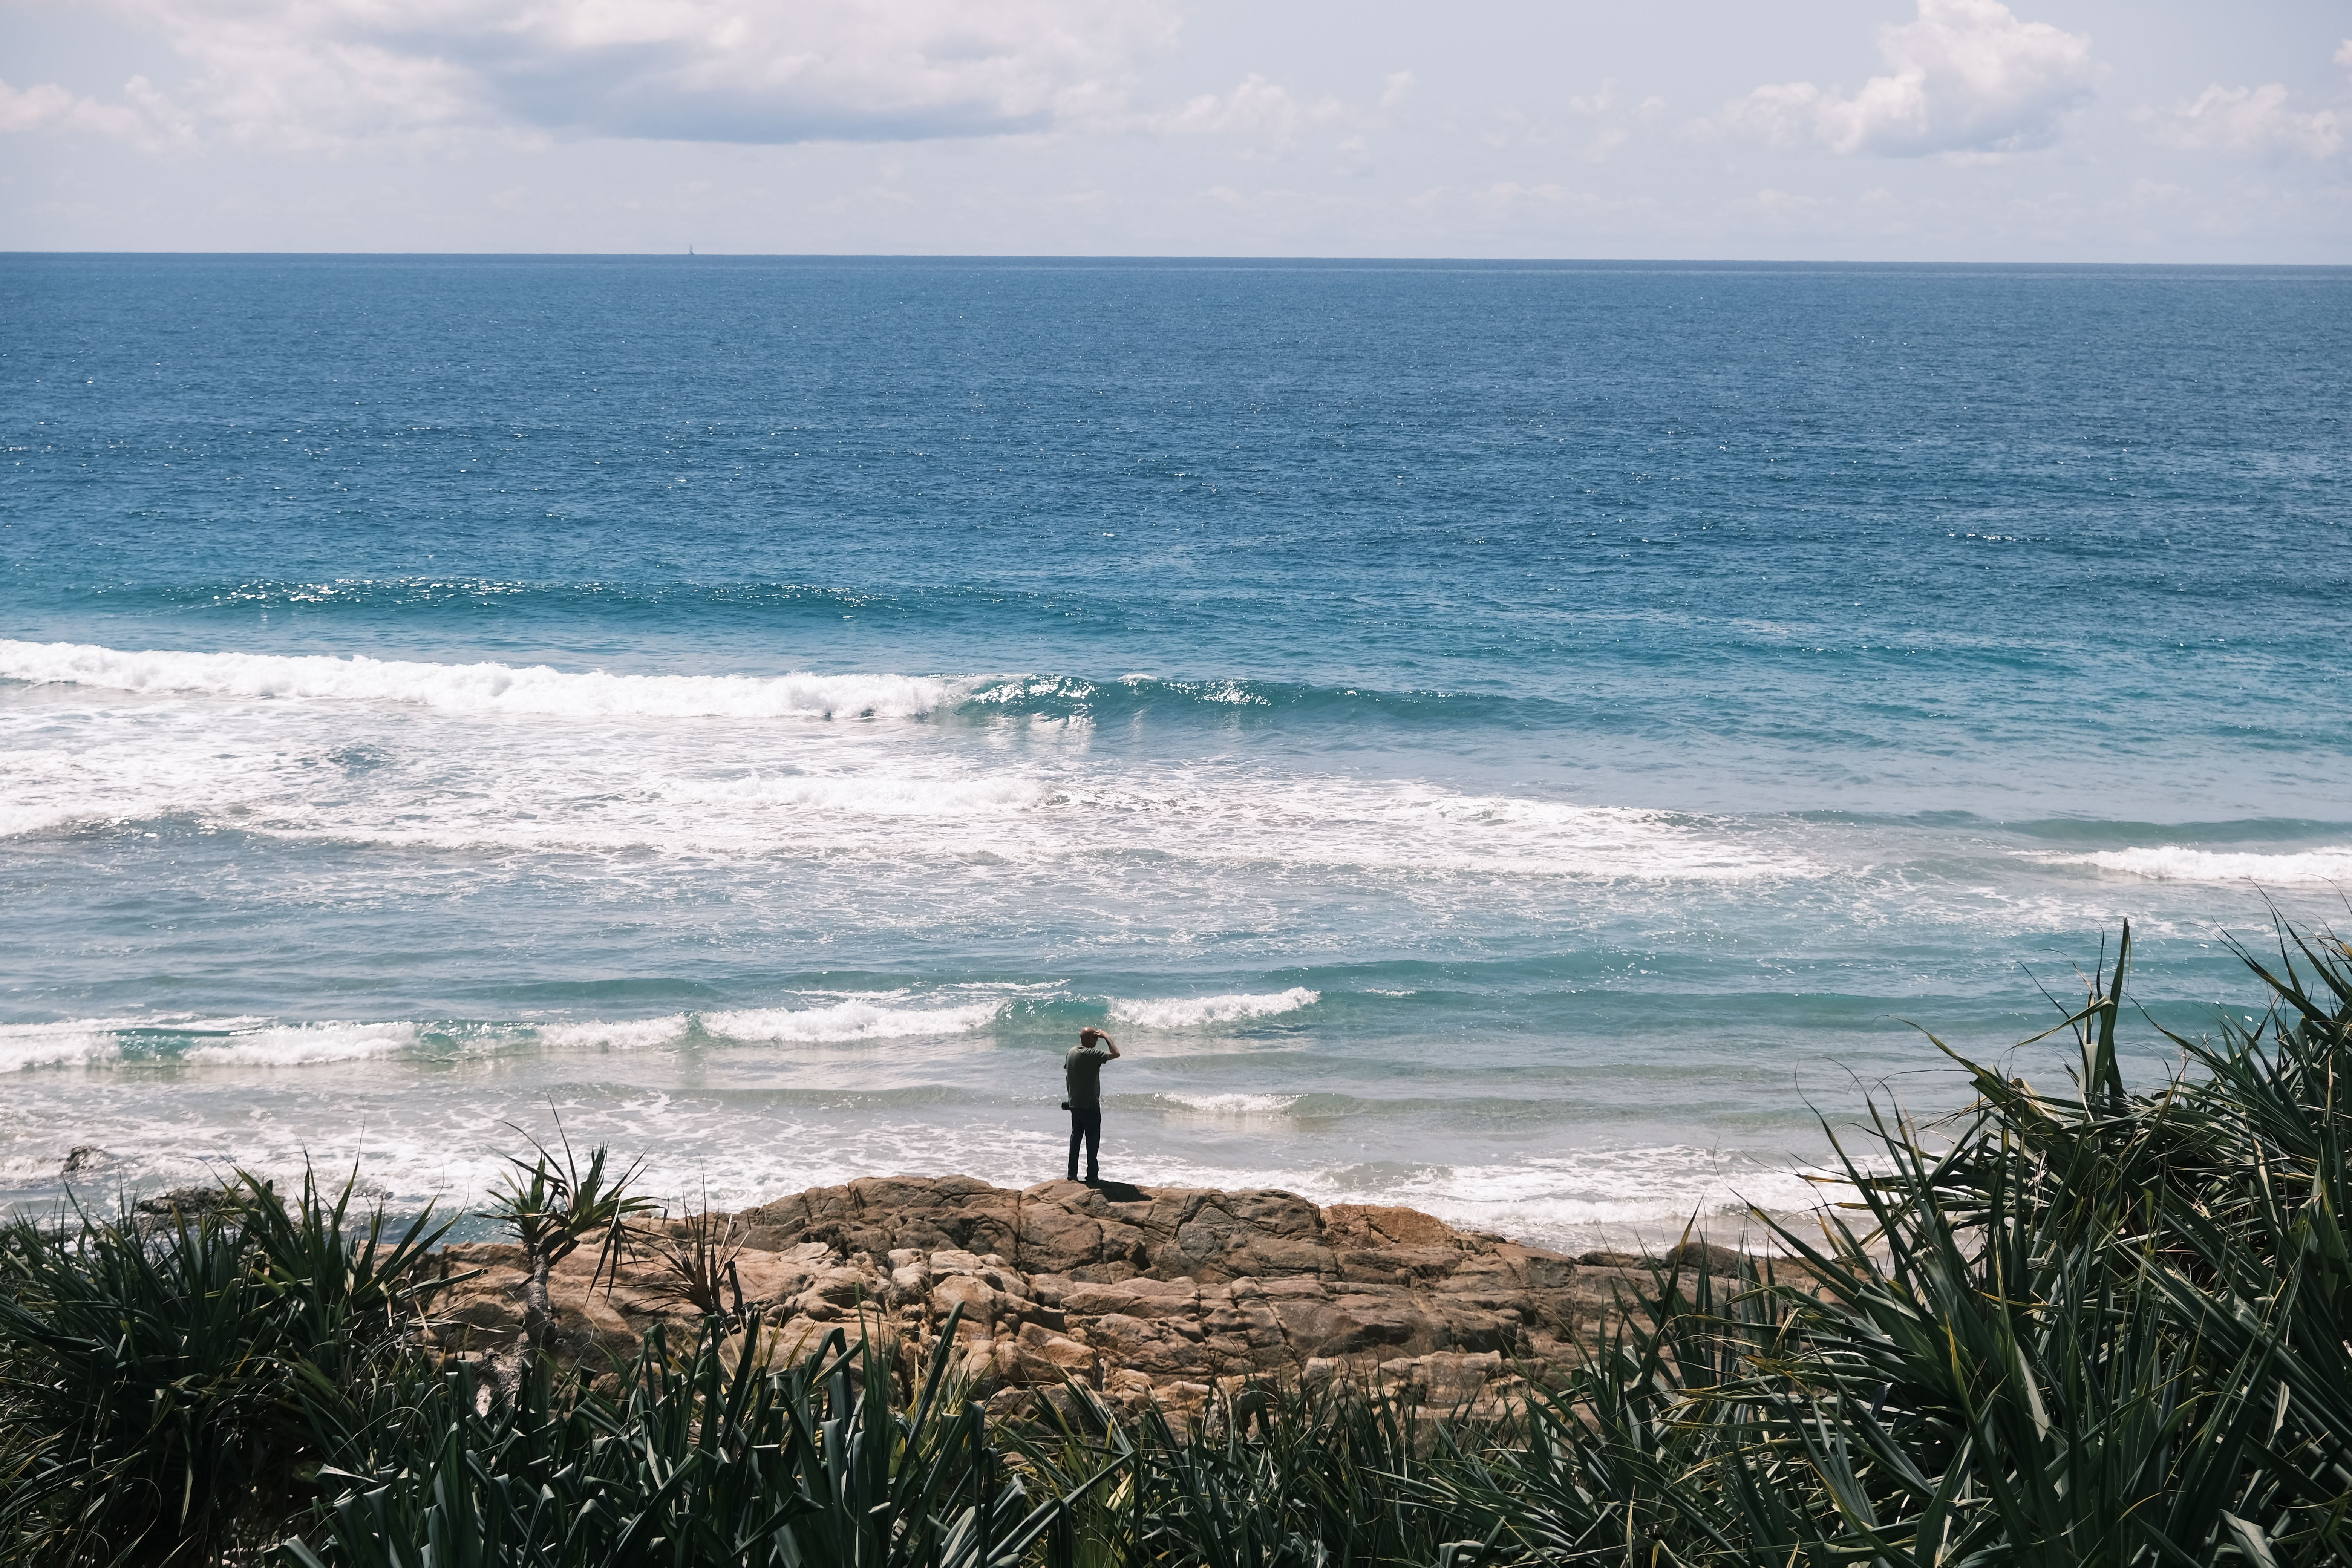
1473	746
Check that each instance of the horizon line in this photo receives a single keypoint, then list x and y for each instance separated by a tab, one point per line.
1136	257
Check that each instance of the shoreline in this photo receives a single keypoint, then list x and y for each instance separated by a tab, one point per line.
1545	1199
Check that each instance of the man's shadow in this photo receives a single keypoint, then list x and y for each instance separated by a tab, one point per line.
1119	1192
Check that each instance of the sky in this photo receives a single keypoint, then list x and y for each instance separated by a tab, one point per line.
1838	130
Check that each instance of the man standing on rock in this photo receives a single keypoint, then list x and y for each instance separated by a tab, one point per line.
1082	1075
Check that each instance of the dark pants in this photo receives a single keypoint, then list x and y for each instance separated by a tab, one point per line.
1085	1123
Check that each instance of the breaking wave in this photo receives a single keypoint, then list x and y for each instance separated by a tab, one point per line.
1199	1012
489	687
478	687
851	1020
255	1043
2174	863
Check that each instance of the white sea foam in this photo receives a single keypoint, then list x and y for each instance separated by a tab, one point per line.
284	772
260	1042
23	817
1390	826
626	1035
1233	1107
857	1019
425	767
880	1017
1200	1012
305	1045
476	688
102	777
243	1042
988	795
73	1043
1634	1196
1025	818
1027	688
2174	863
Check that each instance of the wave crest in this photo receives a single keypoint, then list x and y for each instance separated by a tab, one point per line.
2176	863
1198	1012
1249	1108
306	1045
74	1043
852	1020
484	688
256	1043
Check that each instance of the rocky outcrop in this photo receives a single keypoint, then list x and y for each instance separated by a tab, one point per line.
1161	1294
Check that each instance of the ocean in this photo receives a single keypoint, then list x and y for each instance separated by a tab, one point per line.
1541	743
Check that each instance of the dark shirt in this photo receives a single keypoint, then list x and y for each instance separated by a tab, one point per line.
1082	1072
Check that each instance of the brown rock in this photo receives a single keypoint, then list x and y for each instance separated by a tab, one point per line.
1613	1260
1165	1295
1159	1349
1706	1254
1355	1324
1037	1356
978	1298
1368	1227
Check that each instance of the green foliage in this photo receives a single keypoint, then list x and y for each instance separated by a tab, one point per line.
151	1377
696	1262
2097	1327
552	1202
699	1460
1278	1477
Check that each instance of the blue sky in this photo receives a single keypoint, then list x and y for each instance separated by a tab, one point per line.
1918	130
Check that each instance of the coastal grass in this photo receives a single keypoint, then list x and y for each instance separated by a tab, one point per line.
155	1370
694	1460
2073	1324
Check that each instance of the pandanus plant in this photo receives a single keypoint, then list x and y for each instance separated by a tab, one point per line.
704	1458
554	1203
153	1377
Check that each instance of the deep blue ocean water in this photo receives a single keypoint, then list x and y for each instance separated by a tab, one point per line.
1521	740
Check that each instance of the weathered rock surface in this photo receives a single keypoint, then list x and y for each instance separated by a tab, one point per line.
1161	1294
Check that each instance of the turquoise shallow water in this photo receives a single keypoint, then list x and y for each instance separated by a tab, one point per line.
1516	740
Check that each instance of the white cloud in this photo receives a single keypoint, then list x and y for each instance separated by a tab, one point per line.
2253	120
313	72
1256	108
1966	76
147	118
1782	114
46	106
